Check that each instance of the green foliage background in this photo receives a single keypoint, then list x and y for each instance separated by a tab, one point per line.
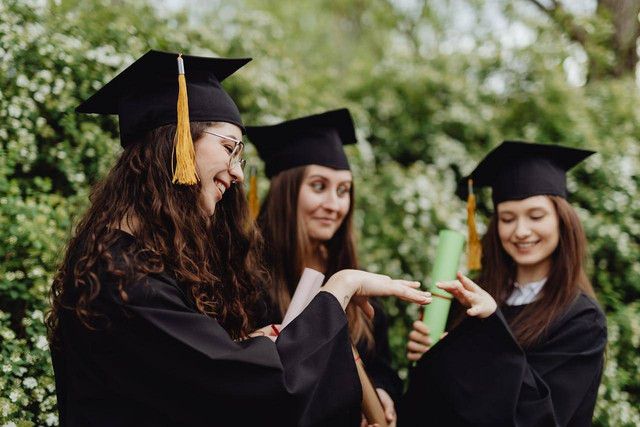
428	99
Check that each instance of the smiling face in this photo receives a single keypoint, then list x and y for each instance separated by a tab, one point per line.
212	161
324	201
528	230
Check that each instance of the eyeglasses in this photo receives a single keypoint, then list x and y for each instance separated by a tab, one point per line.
235	157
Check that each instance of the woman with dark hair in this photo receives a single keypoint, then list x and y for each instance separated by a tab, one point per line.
155	306
306	221
531	351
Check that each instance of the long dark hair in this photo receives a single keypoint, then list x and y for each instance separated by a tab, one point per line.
215	259
287	245
566	279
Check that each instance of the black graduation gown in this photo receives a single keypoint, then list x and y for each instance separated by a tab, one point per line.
165	363
377	360
479	375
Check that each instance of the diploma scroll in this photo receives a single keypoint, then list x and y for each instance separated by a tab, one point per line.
445	267
307	288
371	404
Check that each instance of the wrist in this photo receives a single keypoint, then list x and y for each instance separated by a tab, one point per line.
489	311
342	285
346	281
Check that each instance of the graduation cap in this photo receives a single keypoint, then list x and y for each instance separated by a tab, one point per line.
516	170
152	92
316	139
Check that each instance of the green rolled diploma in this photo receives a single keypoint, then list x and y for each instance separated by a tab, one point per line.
445	267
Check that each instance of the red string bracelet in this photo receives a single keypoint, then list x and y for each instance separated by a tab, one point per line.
275	330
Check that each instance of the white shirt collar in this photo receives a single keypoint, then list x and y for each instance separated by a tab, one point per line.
525	294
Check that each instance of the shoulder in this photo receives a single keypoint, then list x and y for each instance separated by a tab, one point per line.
158	290
585	308
582	324
123	282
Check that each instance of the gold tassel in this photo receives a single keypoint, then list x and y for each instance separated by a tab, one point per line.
254	205
184	168
475	248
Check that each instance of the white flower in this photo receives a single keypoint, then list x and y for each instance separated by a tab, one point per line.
22	81
42	343
30	382
6	368
8	334
37	314
13	396
9	424
51	420
38	394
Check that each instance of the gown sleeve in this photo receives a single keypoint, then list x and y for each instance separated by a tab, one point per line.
161	357
377	360
480	376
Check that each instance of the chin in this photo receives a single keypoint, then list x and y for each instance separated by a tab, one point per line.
528	260
321	236
209	206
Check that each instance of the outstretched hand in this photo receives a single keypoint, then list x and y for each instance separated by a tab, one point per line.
470	295
358	286
380	285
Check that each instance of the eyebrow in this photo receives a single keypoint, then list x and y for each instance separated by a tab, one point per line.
219	134
233	138
327	179
509	212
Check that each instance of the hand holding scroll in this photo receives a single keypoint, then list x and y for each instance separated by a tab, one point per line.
419	341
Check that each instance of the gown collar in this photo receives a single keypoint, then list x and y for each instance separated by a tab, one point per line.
525	294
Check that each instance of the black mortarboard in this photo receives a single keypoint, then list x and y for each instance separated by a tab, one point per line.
144	95
316	139
517	170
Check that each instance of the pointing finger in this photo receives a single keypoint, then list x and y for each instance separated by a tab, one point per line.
467	283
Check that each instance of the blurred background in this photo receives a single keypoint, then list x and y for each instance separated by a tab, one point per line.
432	86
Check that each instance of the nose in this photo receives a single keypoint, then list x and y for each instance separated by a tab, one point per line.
330	201
237	175
522	230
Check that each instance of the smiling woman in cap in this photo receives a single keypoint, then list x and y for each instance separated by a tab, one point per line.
306	219
160	290
531	351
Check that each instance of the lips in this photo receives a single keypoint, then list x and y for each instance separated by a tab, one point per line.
221	187
525	246
326	220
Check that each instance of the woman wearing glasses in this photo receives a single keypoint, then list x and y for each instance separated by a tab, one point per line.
160	289
306	222
531	349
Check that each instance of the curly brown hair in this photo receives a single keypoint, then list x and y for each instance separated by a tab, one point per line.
215	258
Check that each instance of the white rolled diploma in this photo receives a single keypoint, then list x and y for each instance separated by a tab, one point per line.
307	288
